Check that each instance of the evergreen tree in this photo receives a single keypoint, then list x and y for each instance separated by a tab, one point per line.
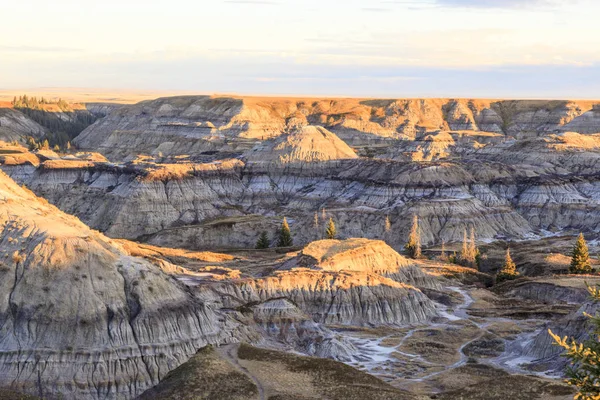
509	269
69	145
387	225
263	241
473	250
584	373
45	145
580	261
413	246
464	251
443	256
469	254
330	232
285	235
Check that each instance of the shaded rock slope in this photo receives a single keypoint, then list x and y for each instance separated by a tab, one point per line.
79	317
16	126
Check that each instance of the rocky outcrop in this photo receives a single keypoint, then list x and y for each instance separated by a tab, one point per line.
16	126
228	206
351	282
539	347
79	317
286	324
361	256
304	144
512	174
197	124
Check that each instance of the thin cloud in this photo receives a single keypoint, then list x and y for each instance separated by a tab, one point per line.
494	3
376	9
39	49
474	4
257	2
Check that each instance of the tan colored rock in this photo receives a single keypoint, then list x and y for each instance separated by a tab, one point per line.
305	144
82	318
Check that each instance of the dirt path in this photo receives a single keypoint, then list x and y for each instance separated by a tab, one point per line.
229	352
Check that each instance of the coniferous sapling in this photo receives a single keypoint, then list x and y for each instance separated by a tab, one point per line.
285	235
509	269
413	246
443	255
584	373
580	260
330	232
263	241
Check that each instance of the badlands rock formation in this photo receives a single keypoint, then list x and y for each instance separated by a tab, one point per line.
79	317
352	282
301	145
16	126
233	167
196	124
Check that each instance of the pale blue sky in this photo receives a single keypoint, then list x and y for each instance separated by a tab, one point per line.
387	48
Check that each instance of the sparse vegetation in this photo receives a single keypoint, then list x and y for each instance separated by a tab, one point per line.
263	241
330	231
509	269
204	376
285	235
580	259
469	255
45	113
387	227
413	246
584	373
443	256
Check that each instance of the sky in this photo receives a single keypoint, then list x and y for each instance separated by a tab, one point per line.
357	48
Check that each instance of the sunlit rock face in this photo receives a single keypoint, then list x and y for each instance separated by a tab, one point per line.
508	169
196	124
301	145
82	319
351	282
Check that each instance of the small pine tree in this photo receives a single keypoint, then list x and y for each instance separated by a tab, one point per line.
413	246
263	241
453	259
464	251
473	250
285	235
387	225
580	260
584	373
469	254
330	232
443	256
69	145
509	269
45	145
